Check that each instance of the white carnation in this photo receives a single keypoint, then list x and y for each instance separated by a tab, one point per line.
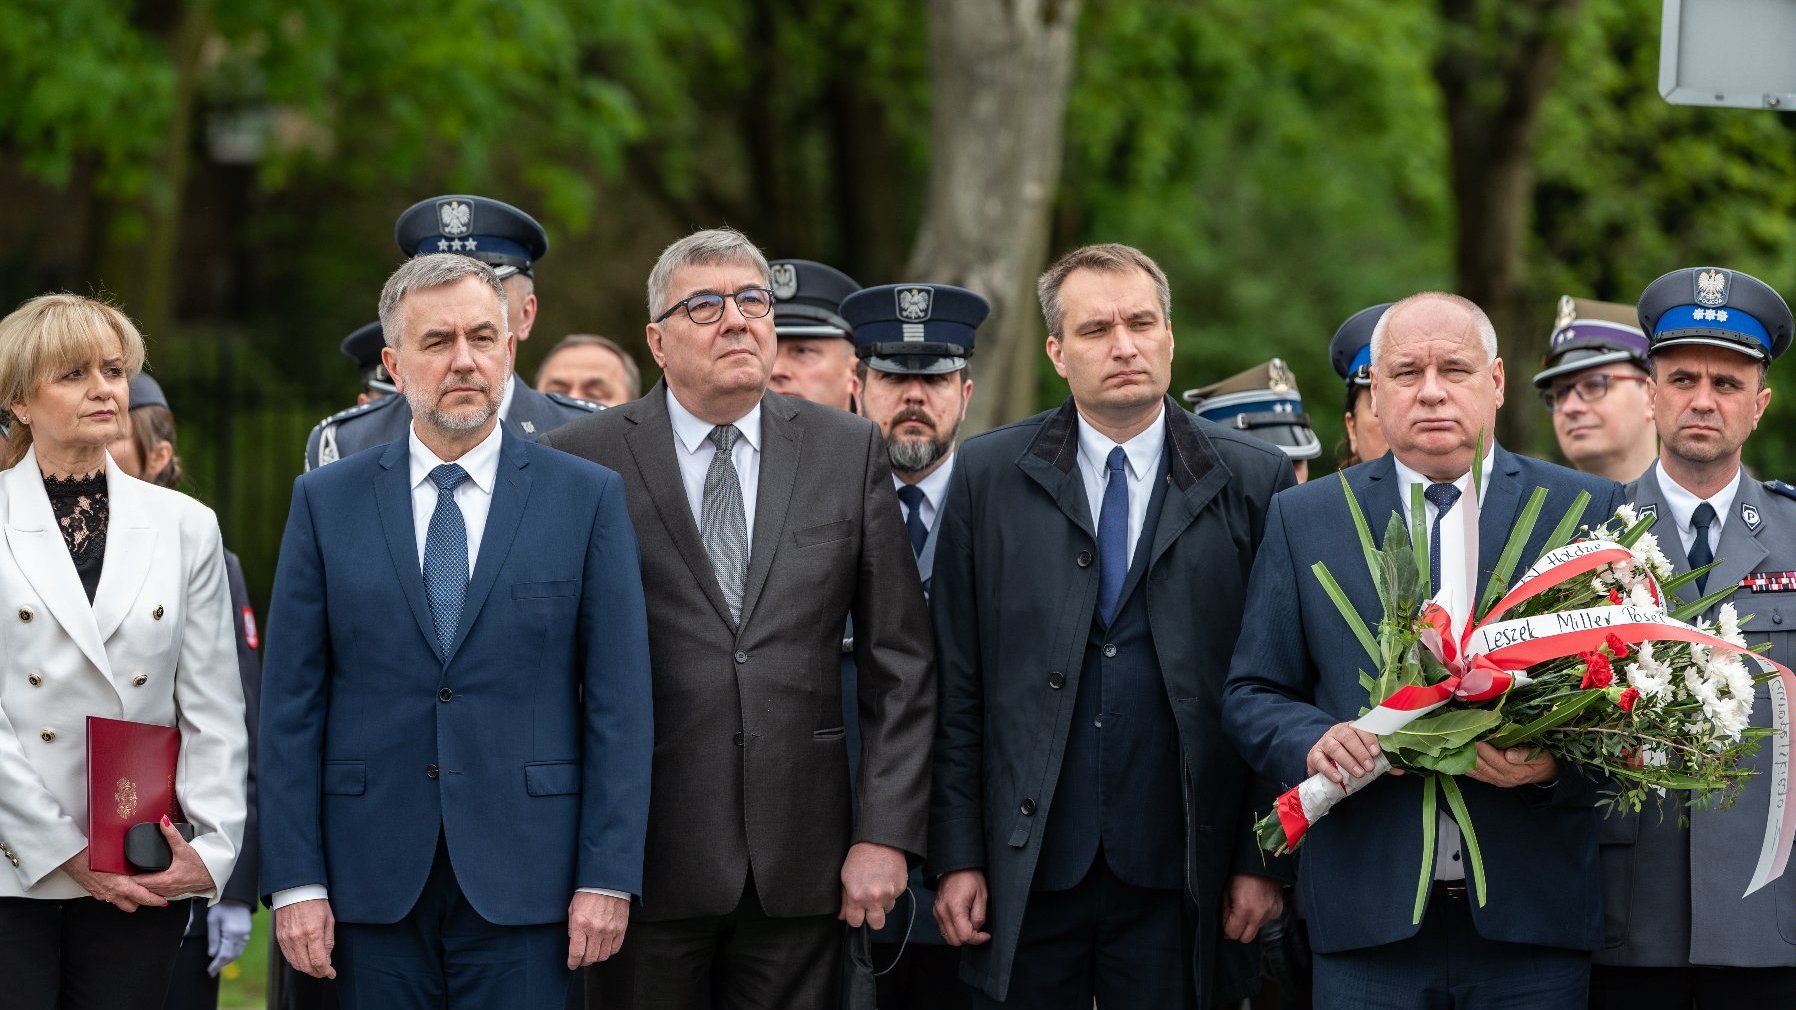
1646	674
1641	596
1731	716
1727	626
1625	512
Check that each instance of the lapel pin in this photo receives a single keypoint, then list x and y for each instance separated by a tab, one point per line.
529	428
1751	515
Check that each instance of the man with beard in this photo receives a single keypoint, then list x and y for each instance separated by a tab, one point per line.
454	806
913	341
1595	383
1679	929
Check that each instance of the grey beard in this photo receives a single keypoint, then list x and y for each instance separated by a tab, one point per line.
909	457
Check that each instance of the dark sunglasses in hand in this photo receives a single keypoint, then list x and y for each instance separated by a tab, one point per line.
706	307
1591	388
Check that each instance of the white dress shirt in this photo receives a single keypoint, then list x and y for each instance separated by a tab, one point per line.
1683	507
694	448
474	497
934	488
511	388
1448	863
1142	454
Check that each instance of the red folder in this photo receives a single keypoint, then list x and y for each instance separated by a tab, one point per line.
130	780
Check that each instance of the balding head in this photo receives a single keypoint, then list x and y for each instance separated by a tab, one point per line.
1436	382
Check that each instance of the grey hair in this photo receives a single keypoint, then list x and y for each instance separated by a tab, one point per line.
430	271
710	247
1111	257
1487	331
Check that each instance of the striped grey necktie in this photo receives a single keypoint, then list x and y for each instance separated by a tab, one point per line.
722	525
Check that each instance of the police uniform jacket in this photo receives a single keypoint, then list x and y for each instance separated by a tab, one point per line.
378	422
1014	588
153	647
1672	895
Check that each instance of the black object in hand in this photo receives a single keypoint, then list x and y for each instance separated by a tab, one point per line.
147	850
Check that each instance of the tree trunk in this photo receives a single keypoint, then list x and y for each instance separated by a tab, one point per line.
999	71
1496	64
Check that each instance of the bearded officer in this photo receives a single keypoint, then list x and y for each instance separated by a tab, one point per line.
1595	381
1677	931
508	240
1263	402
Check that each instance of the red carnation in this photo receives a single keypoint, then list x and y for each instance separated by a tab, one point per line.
1628	698
1597	672
1617	647
1615	598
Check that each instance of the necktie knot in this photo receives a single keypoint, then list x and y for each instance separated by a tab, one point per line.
447	476
912	496
1117	461
724	437
1442	496
1703	516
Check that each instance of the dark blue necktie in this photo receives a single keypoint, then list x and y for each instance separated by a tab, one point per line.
1113	534
1442	497
446	556
912	497
1700	551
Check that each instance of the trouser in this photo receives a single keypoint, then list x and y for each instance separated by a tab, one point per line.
84	954
1691	987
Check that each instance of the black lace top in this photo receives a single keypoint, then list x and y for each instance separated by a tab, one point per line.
81	510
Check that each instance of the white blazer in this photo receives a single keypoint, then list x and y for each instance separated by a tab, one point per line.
155	646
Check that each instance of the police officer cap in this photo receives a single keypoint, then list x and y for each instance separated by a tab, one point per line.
147	392
1717	307
1351	349
363	347
498	234
1588	333
1263	402
807	299
915	329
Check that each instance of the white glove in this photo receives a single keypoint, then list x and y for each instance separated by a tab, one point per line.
227	933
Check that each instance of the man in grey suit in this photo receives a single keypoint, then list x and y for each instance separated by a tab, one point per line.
764	521
1677	932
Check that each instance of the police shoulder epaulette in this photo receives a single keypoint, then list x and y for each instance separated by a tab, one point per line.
575	402
361	408
1779	487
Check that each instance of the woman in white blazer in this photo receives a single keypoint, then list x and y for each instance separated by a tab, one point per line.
113	603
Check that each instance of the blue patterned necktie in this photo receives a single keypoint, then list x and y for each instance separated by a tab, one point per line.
723	524
1442	497
912	497
1113	534
446	556
1700	551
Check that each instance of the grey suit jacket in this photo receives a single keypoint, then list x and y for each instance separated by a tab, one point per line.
1671	896
751	768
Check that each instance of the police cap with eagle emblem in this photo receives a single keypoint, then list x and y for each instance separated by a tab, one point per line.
147	392
807	299
496	233
1716	307
1588	333
1350	351
915	329
363	347
1263	402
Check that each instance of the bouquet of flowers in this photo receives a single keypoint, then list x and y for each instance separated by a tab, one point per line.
1588	656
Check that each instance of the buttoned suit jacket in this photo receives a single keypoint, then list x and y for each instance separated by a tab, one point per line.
526	746
153	647
751	770
1014	590
1671	894
1296	673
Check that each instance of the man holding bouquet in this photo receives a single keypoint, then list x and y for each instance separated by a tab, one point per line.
1295	686
1677	932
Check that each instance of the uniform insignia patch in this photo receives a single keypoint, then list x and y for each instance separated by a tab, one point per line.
1568	311
1751	515
1711	287
1649	509
1279	377
1779	487
455	218
529	427
785	281
913	303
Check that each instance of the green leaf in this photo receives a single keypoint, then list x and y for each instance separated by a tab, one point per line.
1691	611
1366	547
1514	734
1429	817
1457	761
1443	730
1512	551
1474	859
1568	524
1631	536
1418	522
1348	614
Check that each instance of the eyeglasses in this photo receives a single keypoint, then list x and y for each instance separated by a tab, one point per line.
1591	388
706	307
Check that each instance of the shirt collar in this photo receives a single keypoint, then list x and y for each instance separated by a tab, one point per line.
1683	504
693	432
1143	451
935	486
1407	476
481	462
511	388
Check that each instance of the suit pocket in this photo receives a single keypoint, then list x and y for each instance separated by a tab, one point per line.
344	778
552	778
825	735
826	533
544	590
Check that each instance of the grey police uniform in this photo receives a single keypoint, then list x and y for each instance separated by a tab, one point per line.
530	415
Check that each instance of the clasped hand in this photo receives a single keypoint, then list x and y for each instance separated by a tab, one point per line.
186	874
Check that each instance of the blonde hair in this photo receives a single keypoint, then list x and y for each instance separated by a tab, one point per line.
47	334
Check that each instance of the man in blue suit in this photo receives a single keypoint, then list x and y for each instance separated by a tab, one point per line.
456	718
1294	687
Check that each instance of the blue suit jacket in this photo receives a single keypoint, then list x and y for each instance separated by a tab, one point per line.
528	747
1296	673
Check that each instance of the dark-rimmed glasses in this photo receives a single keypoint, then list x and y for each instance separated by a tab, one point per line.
706	307
1591	388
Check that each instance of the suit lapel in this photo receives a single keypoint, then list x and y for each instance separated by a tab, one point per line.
393	500
530	416
650	440
782	441
36	541
130	546
1647	497
1740	552
1379	492
1193	469
1503	495
511	493
1052	461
